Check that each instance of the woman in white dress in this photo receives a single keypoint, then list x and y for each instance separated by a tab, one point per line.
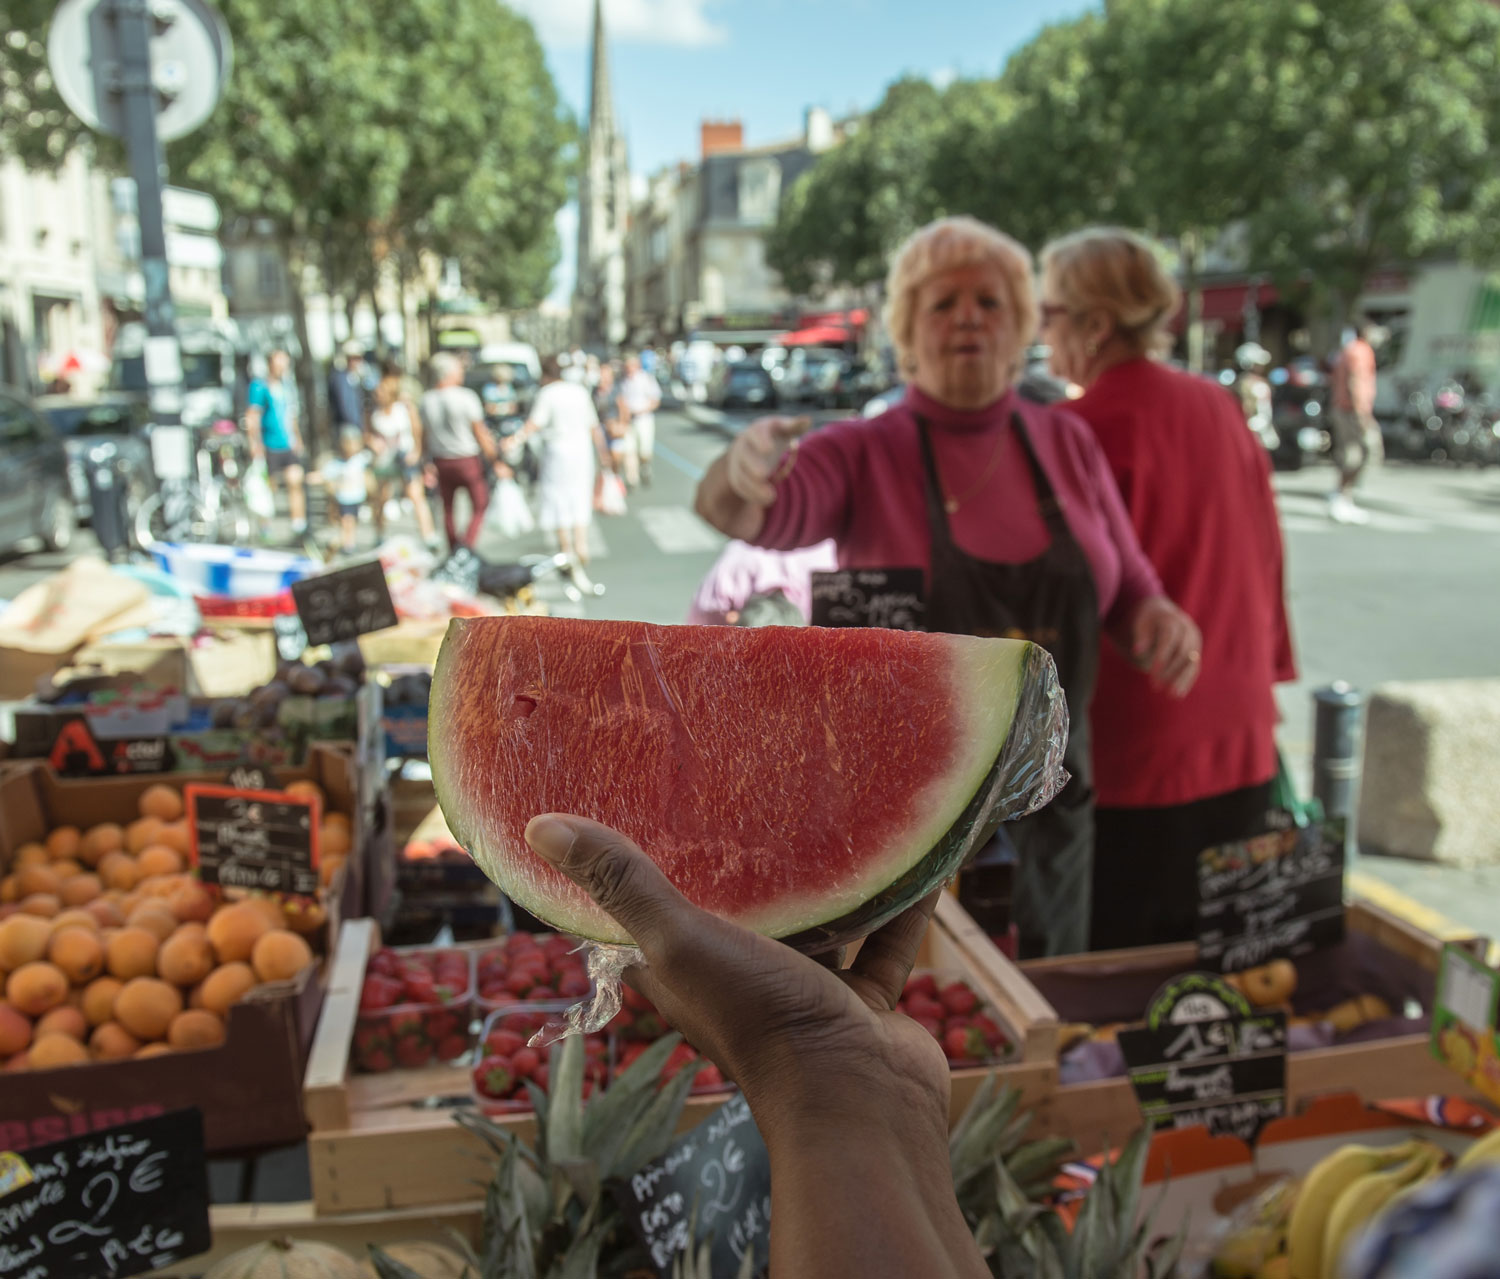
395	440
563	416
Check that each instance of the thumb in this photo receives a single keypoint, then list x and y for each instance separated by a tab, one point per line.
790	428
624	882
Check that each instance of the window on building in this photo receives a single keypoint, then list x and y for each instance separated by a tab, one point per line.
268	274
760	191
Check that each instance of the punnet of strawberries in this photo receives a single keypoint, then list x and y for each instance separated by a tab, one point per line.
532	966
638	1024
951	1012
414	1010
507	1062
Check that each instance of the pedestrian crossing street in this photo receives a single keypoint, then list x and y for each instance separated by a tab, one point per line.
1300	514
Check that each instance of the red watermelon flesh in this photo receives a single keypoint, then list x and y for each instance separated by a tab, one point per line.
786	778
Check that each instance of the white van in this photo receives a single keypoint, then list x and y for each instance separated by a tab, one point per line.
521	356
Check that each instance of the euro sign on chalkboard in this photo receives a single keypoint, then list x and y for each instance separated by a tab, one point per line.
261	840
106	1204
712	1184
892	598
344	604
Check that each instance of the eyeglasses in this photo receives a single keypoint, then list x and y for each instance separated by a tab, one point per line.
1051	311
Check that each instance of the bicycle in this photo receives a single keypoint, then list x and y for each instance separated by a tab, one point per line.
208	506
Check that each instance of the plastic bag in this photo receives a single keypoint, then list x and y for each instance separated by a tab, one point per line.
1026	775
258	495
611	498
508	514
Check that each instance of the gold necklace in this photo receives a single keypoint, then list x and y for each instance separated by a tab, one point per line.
951	503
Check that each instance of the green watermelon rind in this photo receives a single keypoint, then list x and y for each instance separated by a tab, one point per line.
1026	758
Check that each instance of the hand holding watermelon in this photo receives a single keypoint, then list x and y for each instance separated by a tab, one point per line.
788	1029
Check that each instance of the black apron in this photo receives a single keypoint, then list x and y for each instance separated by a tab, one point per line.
1052	601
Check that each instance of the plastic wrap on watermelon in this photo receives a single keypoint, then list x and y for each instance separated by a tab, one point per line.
808	784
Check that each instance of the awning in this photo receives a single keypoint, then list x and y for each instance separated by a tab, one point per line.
1225	304
823	335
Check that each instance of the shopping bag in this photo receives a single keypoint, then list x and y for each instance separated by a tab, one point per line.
1284	797
508	514
611	495
258	495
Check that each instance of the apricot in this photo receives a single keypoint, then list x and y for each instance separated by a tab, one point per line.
112	1042
66	868
162	802
76	917
234	931
38	879
10	890
269	907
146	1006
15	1031
190	902
99	999
328	869
131	952
119	871
307	918
195	1028
306	790
158	860
154	1050
280	955
31	854
106	837
175	835
64	1020
154	917
21	1061
142	833
36	988
78	952
42	905
226	986
1270	984
48	1052
334	839
64	842
107	911
23	939
185	958
80	890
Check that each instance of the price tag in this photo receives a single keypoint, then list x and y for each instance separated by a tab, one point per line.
1206	1057
892	598
1276	896
344	604
291	636
714	1181
1466	1020
248	776
461	569
115	1202
265	840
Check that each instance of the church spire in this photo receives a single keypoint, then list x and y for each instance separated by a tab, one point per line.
601	104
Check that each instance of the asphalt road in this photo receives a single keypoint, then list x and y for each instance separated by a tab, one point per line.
1411	595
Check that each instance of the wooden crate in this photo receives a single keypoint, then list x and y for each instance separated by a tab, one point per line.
1105	1113
389	1141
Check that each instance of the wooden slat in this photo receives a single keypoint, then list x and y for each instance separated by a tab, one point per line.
325	1095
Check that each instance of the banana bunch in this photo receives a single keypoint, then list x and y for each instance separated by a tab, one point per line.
1344	1192
1256	1247
1484	1151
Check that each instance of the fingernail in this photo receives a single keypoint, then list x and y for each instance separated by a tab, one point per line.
549	838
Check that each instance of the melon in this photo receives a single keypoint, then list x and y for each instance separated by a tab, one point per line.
807	783
286	1259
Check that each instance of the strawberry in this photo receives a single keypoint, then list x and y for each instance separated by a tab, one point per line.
931	1025
709	1077
379	992
681	1056
958	998
986	1027
420	988
520	982
920	1006
503	1043
572	986
921	984
412	1052
378	1060
595	1047
635	1001
525	1062
407	1026
630	1052
383	963
452	1047
620	1023
539	1077
964	1043
494	1077
540	994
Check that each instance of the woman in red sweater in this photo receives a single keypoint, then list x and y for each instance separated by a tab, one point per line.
1173	777
1004	512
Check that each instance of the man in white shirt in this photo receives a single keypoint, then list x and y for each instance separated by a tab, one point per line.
641	397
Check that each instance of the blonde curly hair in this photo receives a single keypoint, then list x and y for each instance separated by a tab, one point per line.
1118	272
941	246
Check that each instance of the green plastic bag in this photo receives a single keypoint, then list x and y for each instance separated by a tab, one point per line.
1284	797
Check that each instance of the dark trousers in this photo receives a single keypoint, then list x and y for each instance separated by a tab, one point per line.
454	473
1146	864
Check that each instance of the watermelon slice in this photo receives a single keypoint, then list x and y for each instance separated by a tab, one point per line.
808	783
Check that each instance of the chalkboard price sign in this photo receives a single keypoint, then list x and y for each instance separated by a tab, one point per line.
265	840
892	598
1206	1057
116	1202
711	1183
1276	896
344	604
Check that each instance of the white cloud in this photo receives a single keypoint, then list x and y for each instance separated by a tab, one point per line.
943	77
569	23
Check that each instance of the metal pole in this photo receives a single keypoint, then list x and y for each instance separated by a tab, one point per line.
1338	711
134	28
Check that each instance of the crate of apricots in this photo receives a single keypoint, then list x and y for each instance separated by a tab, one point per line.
113	953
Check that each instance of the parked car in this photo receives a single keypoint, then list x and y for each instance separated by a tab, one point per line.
35	494
806	371
119	419
745	385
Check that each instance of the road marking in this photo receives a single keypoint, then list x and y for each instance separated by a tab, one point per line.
677	531
690	469
1393	901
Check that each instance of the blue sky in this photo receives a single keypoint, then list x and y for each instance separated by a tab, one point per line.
764	62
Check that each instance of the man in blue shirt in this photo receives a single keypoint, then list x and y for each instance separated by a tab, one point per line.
272	427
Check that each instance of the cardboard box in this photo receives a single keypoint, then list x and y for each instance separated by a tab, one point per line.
250	1087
